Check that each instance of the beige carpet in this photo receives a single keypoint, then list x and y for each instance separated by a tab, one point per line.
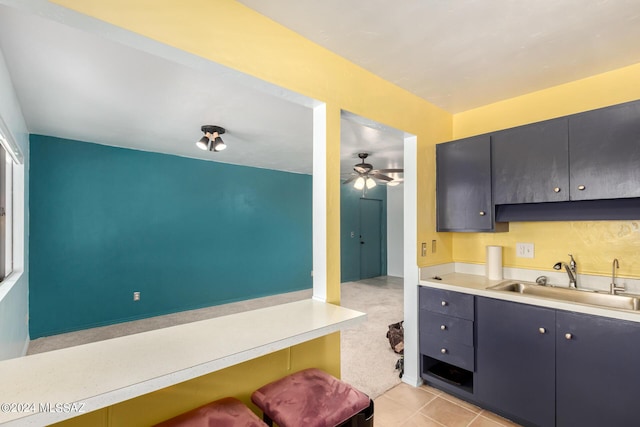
368	362
367	359
86	336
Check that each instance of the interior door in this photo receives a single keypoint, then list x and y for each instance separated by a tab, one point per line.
370	238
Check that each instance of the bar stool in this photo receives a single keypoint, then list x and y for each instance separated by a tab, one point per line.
313	398
227	412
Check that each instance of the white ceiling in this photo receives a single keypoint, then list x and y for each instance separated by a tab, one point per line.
461	54
88	81
384	145
79	85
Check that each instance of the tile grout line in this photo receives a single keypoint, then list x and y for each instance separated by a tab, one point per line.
474	418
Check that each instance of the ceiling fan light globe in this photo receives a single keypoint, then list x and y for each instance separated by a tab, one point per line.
203	144
371	183
359	184
218	144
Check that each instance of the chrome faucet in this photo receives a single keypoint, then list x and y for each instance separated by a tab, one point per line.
571	271
613	288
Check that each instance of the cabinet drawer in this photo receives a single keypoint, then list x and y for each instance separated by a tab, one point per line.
454	353
446	327
447	302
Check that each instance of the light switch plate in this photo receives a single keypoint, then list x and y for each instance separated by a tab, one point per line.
524	250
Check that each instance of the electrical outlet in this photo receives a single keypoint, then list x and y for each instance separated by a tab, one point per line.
524	250
136	296
433	246
424	249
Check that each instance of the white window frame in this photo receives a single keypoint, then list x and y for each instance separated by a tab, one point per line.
14	209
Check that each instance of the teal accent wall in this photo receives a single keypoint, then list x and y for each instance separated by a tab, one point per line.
350	221
186	233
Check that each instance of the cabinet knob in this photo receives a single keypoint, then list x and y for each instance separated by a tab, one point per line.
482	213
443	350
542	330
556	190
443	327
581	187
444	303
568	336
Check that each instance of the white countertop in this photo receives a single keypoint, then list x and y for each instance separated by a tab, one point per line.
477	285
100	374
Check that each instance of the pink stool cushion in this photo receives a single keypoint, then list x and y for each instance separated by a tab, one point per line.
309	398
227	412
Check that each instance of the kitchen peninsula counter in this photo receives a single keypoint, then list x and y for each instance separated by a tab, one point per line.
92	376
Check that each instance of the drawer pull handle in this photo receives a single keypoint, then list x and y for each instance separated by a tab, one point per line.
444	303
556	190
542	330
443	327
581	187
443	351
568	336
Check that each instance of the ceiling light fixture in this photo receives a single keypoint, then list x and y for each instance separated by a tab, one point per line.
371	183
211	140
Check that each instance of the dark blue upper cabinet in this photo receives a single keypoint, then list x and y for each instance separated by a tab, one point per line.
604	148
515	360
463	185
597	371
530	164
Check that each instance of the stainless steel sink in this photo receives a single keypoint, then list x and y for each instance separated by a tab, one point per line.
572	295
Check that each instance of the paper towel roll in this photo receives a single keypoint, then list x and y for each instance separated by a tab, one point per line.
493	266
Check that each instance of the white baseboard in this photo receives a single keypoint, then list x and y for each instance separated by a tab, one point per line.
26	346
412	381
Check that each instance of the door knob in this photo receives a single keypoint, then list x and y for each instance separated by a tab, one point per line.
568	336
581	187
443	351
556	190
443	327
444	303
542	330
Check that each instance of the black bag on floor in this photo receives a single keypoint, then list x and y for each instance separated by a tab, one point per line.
395	334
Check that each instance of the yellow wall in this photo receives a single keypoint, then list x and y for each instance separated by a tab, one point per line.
239	381
228	33
594	244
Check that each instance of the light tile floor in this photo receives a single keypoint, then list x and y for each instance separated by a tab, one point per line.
406	406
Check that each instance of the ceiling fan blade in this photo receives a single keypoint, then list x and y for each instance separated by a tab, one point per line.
380	176
359	169
389	170
350	179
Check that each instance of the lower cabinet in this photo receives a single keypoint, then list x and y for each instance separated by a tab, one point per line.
515	360
597	371
545	367
447	354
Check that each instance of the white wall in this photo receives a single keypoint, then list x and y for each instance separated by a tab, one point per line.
395	227
14	290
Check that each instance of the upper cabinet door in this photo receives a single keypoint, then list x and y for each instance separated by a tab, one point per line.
464	185
531	163
605	153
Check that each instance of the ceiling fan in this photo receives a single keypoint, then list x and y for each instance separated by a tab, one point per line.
365	174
